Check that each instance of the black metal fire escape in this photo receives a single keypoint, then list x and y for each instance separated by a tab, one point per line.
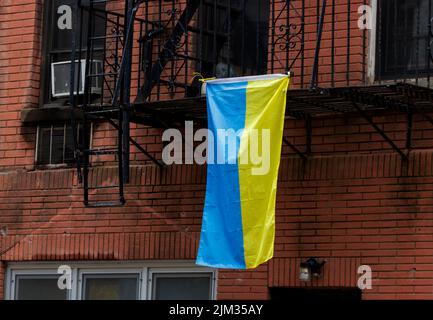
119	109
169	37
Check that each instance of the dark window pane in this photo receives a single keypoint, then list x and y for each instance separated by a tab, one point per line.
187	287
57	139
402	41
44	145
60	26
69	145
61	39
38	289
55	146
111	287
246	52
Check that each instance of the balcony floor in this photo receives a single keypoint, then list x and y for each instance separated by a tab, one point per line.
301	104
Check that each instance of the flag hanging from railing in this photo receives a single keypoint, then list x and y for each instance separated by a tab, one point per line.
245	130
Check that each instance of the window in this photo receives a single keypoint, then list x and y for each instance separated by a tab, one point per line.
248	22
123	281
55	145
178	286
59	30
111	287
402	38
38	287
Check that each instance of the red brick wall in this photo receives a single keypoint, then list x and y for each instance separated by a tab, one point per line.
349	209
21	41
353	202
20	57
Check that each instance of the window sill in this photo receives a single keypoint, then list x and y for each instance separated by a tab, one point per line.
49	113
54	166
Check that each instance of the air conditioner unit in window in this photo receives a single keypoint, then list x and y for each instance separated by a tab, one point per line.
61	72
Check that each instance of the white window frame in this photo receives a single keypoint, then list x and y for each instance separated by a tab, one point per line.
145	270
178	273
110	272
371	67
12	275
62	164
372	45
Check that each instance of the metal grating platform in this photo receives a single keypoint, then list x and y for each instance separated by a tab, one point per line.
301	104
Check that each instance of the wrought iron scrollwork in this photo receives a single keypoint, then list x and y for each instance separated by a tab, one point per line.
288	39
287	35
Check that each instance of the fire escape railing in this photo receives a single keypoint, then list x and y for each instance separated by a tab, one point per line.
159	50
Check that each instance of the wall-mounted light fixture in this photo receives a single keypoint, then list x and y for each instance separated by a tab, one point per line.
310	268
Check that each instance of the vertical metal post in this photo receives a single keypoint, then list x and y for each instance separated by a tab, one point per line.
86	100
171	86
243	38
303	44
158	86
333	45
429	43
126	105
395	44
348	44
287	47
314	76
200	39
418	34
229	31
186	52
214	38
273	35
364	54
72	97
258	37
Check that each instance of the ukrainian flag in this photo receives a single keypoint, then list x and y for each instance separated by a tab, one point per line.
238	227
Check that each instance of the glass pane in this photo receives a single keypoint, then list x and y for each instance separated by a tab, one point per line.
38	289
44	144
69	145
246	54
111	287
403	22
184	287
57	148
62	35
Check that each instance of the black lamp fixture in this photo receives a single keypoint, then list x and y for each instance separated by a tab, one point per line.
310	268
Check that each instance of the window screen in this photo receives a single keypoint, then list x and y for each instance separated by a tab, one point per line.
171	286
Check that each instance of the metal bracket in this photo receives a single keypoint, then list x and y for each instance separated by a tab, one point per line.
139	147
379	130
308	138
295	149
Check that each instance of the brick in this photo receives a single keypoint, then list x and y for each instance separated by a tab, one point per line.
351	200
